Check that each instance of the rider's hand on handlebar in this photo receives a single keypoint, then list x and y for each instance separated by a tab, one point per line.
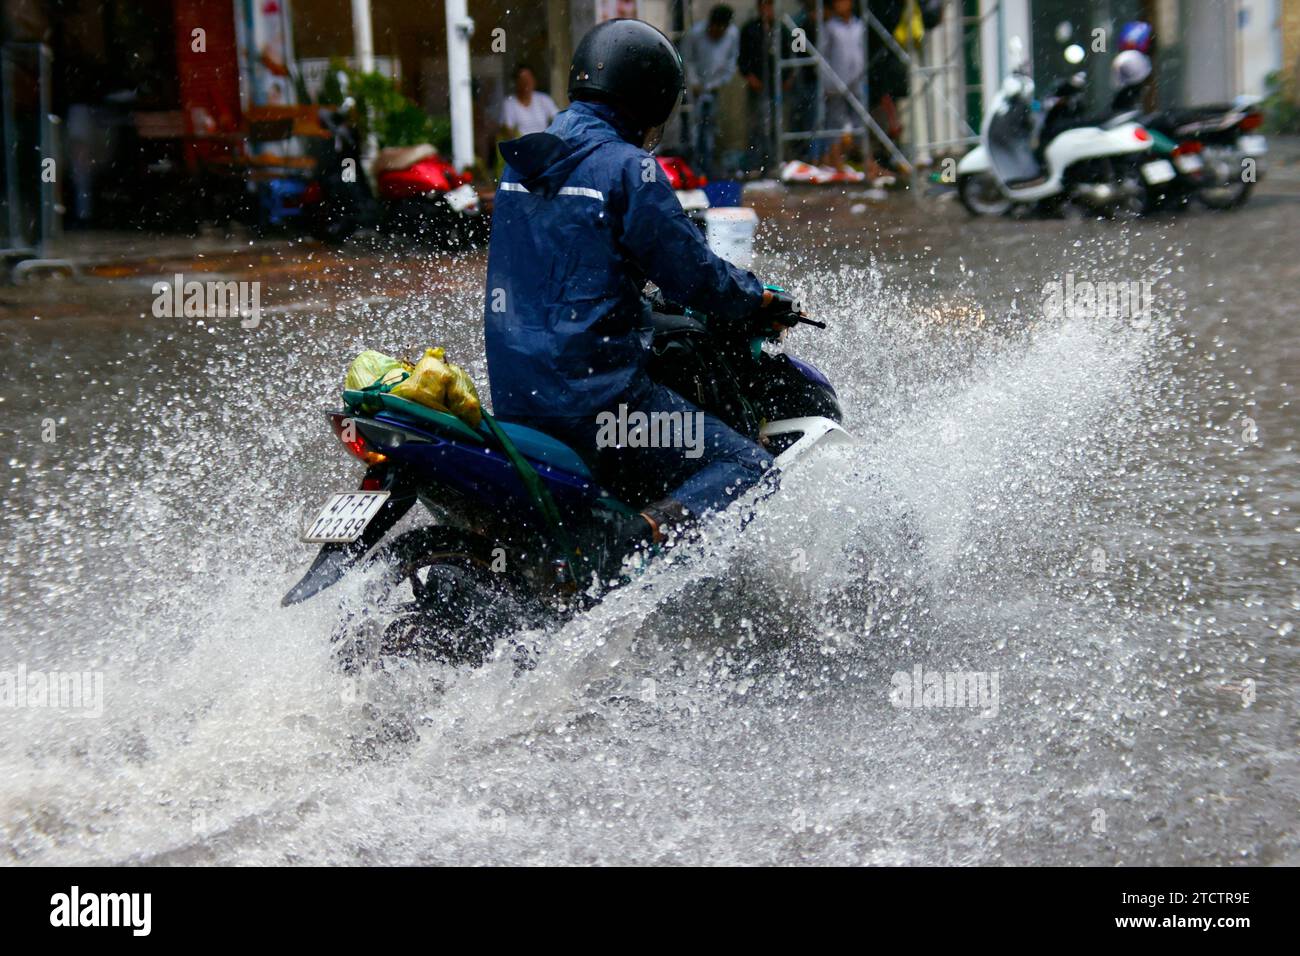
779	310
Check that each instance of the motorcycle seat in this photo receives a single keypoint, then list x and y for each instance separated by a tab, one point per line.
394	159
531	443
540	446
1187	114
664	323
1169	121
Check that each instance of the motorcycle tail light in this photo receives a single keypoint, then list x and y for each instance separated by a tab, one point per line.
1191	146
352	439
1141	135
1252	121
675	178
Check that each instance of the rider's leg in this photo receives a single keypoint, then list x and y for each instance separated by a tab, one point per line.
689	457
686	463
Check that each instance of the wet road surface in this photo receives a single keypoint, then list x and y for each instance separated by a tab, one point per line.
1106	511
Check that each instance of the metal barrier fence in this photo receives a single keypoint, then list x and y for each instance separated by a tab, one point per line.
939	83
32	165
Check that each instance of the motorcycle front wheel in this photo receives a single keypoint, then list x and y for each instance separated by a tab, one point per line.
1228	195
981	194
1225	197
333	230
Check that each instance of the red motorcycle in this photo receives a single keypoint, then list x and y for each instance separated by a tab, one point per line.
417	192
687	184
422	194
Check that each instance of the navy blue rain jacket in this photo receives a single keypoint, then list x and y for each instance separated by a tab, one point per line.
583	218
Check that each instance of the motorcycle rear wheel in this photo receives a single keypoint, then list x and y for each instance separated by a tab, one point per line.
1225	197
1136	198
1231	189
436	600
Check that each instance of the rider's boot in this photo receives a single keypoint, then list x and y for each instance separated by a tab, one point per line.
630	540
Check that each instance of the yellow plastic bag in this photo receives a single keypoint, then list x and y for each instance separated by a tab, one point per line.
911	27
370	367
442	386
462	397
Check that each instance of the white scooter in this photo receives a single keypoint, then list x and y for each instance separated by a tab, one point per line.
1094	166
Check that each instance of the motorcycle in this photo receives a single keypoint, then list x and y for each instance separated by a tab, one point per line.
423	195
494	557
1086	164
687	185
1211	151
419	193
1215	150
337	201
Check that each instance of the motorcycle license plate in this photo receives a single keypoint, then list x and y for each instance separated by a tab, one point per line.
1159	171
1253	145
345	516
462	198
1189	163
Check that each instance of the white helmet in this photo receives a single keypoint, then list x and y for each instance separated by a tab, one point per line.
1129	69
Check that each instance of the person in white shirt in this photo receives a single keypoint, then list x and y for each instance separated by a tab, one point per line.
844	47
710	52
527	109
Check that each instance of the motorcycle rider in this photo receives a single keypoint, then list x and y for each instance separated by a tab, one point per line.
583	218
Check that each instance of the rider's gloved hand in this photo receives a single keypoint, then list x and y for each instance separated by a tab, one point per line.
780	310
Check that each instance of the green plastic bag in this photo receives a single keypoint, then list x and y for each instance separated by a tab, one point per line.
371	367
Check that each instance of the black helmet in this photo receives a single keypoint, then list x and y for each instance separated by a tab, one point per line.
632	66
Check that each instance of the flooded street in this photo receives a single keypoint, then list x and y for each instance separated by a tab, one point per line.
1104	513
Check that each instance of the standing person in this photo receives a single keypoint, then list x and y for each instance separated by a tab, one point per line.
710	52
577	231
887	76
844	39
758	67
527	109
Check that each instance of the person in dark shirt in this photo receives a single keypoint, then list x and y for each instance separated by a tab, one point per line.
759	70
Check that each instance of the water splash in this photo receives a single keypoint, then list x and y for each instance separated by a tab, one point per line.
732	705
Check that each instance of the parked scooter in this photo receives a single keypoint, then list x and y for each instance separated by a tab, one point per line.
420	193
1028	156
423	195
1215	150
1217	153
